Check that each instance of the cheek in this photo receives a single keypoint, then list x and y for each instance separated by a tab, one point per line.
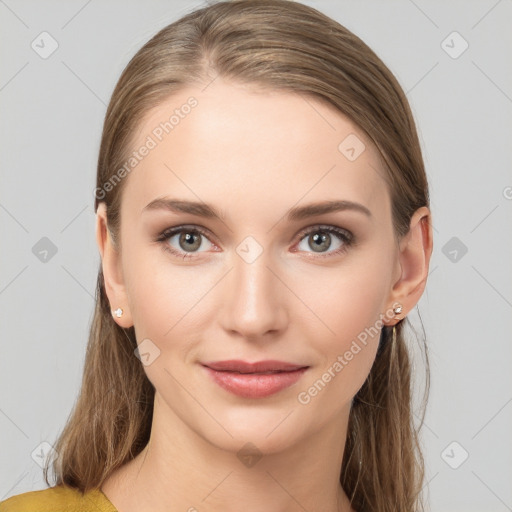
341	302
346	307
159	295
166	299
162	301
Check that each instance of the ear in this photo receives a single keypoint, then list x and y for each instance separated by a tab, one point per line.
415	250
112	269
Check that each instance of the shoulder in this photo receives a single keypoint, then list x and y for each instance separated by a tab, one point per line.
58	499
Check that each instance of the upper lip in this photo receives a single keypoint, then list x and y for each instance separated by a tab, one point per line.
256	367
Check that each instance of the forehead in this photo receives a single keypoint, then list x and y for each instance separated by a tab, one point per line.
252	149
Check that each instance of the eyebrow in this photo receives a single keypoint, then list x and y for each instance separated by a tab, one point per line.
206	210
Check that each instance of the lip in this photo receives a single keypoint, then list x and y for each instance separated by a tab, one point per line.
236	365
254	380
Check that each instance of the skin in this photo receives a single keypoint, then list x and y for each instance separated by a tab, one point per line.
253	156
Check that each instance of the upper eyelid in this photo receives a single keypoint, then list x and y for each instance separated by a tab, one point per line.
327	227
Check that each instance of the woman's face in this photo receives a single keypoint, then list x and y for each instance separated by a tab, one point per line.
263	279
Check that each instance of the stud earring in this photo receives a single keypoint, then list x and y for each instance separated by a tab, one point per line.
397	310
118	312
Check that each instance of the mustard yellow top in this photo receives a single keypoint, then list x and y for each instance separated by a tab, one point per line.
58	499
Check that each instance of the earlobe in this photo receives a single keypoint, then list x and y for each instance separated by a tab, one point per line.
112	271
414	253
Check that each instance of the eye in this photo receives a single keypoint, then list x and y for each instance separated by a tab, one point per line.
320	239
185	241
188	240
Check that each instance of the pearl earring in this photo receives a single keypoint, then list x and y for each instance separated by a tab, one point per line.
118	312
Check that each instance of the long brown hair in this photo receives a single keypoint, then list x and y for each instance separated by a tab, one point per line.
280	45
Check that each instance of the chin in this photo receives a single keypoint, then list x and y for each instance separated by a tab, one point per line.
270	431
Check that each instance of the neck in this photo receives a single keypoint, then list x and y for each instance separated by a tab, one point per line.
179	470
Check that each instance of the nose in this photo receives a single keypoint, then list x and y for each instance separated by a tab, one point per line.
255	300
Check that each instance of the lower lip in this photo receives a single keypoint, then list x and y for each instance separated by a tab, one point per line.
253	385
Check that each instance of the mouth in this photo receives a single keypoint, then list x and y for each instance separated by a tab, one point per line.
269	366
254	380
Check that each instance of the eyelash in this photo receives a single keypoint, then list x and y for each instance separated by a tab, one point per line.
345	236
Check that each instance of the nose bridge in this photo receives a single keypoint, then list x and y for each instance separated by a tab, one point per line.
254	306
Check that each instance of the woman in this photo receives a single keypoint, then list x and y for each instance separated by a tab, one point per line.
264	229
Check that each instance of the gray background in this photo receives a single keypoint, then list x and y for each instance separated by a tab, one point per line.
52	114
